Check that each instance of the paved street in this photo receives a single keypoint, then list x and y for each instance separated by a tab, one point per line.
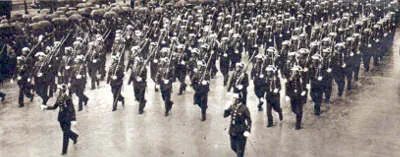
364	123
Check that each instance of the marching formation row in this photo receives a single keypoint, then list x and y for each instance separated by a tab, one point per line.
301	45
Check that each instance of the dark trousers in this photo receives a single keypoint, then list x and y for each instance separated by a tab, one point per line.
201	99
93	76
273	102
327	89
81	96
166	96
316	96
42	90
340	81
297	108
23	91
52	86
349	76
116	91
226	77
140	97
366	61
181	77
67	134
238	144
356	71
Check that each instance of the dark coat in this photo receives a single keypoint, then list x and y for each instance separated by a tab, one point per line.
66	112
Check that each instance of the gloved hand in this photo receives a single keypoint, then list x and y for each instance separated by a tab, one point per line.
246	134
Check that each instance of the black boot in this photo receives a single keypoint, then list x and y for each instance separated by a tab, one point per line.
203	115
260	108
141	107
3	97
317	109
86	101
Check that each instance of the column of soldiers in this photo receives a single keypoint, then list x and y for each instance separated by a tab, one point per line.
303	47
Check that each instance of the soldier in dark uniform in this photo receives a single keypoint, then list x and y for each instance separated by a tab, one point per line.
138	77
115	79
154	65
297	94
224	62
41	77
66	117
65	70
317	82
235	53
201	88
349	61
164	78
327	76
366	48
180	67
94	63
22	80
53	67
338	67
357	56
78	81
259	81
272	95
240	126
239	82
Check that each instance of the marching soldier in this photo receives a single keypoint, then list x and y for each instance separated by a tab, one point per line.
165	78
366	48
23	80
258	77
272	95
240	126
356	61
338	67
297	94
65	71
94	63
317	82
181	59
41	77
224	62
201	88
115	79
138	77
239	82
78	81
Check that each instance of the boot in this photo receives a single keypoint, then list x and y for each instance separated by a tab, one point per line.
86	101
141	107
260	108
203	115
3	97
317	110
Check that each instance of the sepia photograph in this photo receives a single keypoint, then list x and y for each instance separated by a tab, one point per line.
199	78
